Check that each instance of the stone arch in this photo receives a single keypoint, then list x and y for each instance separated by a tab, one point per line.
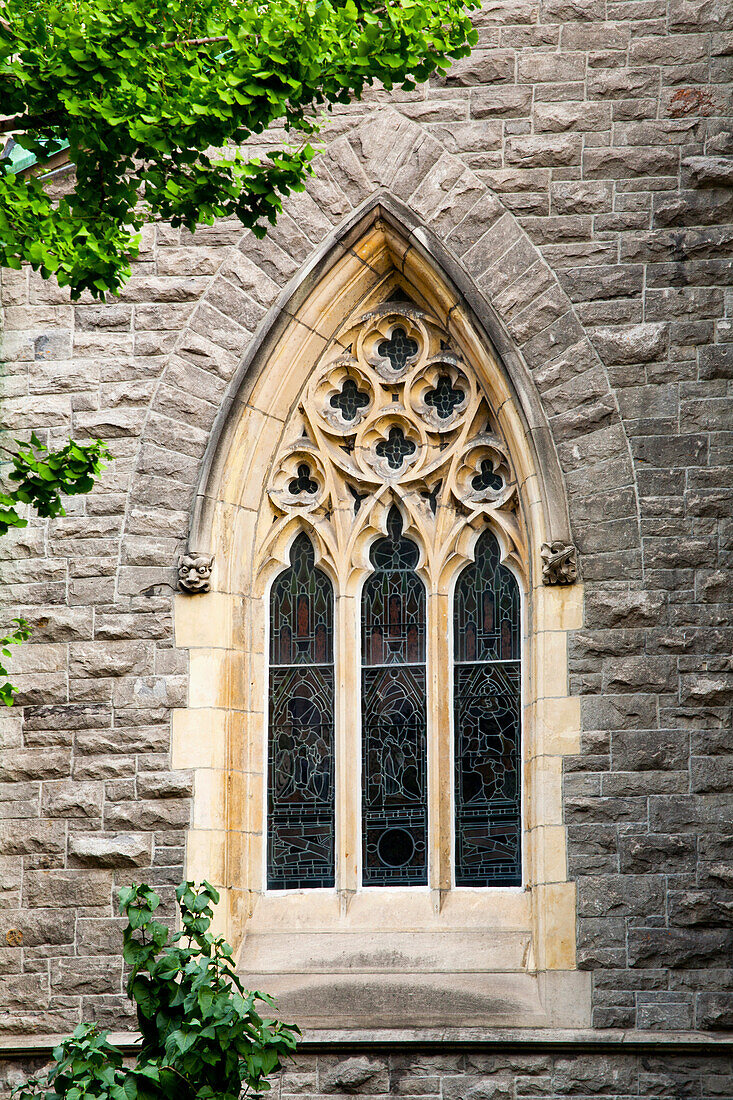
444	226
221	733
388	166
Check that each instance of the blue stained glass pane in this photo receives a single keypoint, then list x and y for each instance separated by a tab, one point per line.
487	714
300	769
394	721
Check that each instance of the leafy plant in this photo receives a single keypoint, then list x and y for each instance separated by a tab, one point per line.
42	477
20	633
156	98
202	1036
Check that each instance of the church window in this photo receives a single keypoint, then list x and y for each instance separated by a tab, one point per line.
393	479
300	843
486	701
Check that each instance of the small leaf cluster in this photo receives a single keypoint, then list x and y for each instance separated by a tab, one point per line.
202	1036
42	476
85	1067
157	97
20	633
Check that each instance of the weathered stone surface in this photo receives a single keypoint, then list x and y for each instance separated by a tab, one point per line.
363	1075
67	889
678	947
603	244
116	850
714	1010
635	344
657	854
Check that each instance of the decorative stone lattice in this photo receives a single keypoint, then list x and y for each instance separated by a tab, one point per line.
393	415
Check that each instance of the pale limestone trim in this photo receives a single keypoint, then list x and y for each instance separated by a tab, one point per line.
221	736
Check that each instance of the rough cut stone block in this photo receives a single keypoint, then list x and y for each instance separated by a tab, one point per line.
65	889
678	947
111	850
714	1010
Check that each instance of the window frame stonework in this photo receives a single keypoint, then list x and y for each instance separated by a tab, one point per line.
520	940
352	488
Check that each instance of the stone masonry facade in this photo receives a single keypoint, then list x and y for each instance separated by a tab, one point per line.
604	130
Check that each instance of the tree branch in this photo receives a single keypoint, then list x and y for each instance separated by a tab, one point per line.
23	123
193	42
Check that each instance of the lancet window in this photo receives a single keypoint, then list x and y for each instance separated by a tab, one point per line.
300	768
394	718
393	479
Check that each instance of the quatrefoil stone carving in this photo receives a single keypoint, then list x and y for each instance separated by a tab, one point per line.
394	413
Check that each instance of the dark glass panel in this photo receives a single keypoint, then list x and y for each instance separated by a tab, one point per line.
395	448
398	349
301	611
395	765
350	399
487	710
444	397
300	769
394	720
486	608
303	483
487	479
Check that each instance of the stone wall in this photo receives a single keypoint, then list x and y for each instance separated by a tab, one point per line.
604	129
476	1074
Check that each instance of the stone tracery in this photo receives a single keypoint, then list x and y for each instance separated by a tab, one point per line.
394	414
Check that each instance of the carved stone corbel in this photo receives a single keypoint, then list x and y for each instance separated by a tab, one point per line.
559	563
194	572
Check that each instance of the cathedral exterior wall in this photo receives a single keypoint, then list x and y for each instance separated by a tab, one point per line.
576	171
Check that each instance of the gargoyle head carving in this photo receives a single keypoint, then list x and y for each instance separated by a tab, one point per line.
194	572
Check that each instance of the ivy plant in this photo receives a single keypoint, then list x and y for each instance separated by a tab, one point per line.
156	98
40	478
203	1036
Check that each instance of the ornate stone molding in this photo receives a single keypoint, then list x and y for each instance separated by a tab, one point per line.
393	415
194	572
559	563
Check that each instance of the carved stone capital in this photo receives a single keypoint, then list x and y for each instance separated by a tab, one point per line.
194	572
559	563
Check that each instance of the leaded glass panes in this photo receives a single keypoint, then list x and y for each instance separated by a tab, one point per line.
487	708
300	767
394	733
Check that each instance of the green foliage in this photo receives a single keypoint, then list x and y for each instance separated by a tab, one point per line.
42	477
156	97
202	1037
21	633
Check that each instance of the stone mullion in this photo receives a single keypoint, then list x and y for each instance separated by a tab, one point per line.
348	747
439	749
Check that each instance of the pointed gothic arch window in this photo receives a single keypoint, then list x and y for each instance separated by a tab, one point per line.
394	460
382	392
394	715
300	764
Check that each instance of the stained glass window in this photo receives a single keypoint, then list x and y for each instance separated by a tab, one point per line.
487	712
394	734
300	767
